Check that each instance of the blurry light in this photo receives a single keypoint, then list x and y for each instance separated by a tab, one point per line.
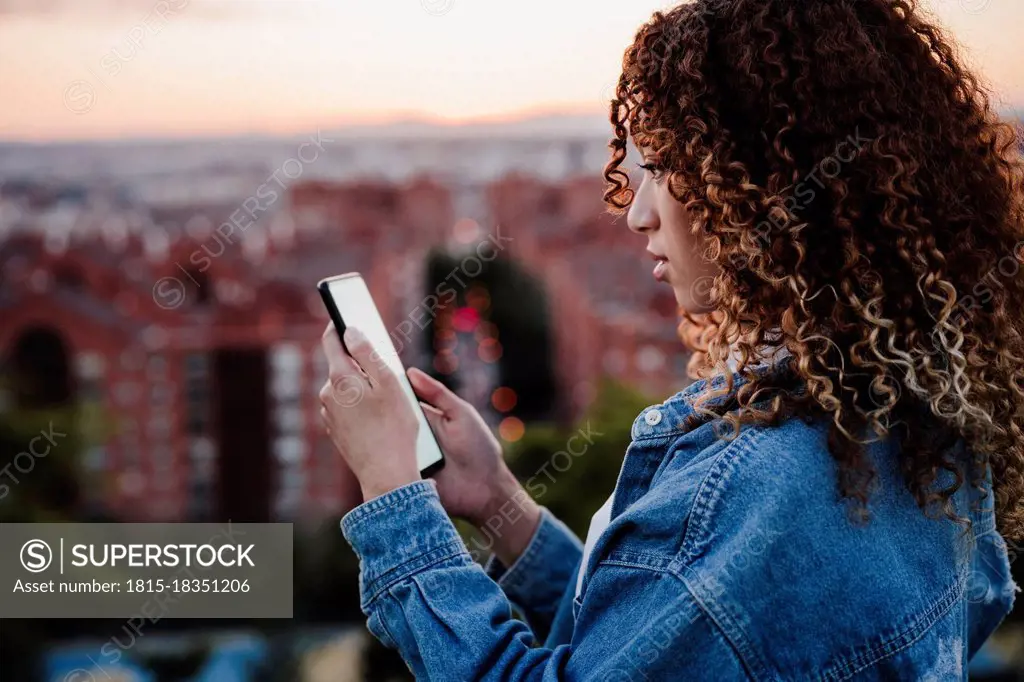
199	227
443	319
155	337
445	340
57	242
466	231
131	483
504	399
649	359
511	429
478	298
489	350
486	330
466	319
39	281
446	363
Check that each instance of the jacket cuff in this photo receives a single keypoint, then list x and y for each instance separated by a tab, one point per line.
544	568
399	534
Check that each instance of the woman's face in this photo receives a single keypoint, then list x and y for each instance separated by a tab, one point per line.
674	249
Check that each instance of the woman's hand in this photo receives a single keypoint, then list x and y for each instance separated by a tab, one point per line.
367	416
475	483
374	428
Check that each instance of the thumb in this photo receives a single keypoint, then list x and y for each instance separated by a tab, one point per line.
359	347
436	418
430	390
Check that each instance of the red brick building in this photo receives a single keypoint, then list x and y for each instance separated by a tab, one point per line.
202	352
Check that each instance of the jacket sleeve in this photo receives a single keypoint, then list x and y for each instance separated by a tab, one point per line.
425	596
537	580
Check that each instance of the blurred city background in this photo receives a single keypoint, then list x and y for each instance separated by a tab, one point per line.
176	175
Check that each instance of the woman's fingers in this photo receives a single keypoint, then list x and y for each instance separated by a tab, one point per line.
332	347
432	391
340	365
435	417
361	350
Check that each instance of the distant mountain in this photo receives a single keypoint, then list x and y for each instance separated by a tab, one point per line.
560	126
229	168
544	125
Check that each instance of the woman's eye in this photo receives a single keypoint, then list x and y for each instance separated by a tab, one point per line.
653	169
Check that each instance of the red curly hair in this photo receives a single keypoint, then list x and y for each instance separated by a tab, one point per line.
865	208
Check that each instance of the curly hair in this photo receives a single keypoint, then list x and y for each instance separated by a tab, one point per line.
864	206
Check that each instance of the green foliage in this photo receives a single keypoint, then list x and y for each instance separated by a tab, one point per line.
574	487
39	489
43	487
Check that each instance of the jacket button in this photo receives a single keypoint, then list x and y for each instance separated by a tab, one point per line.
653	418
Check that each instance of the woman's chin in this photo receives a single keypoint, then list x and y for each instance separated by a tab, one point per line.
688	304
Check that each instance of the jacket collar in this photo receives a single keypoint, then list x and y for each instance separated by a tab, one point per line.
675	416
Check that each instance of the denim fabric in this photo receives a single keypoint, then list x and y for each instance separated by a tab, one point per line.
724	559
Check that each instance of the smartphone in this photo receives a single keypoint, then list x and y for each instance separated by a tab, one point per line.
349	303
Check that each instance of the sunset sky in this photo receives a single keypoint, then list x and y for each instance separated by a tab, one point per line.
84	69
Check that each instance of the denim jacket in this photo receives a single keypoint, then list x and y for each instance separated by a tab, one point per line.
724	559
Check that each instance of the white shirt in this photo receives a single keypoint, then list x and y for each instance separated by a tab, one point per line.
598	523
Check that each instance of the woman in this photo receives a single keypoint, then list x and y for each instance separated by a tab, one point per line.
839	213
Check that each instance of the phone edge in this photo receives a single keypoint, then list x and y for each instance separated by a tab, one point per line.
339	326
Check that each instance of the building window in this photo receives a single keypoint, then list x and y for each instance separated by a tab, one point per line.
286	358
290	450
131	360
161	395
159	427
156	368
196	364
285	386
163	461
289	417
197	394
90	391
127	393
90	365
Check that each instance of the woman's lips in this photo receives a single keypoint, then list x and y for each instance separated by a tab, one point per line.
661	271
660	265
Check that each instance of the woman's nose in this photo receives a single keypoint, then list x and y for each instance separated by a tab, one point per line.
642	216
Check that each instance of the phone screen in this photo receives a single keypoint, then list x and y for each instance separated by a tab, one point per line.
356	309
